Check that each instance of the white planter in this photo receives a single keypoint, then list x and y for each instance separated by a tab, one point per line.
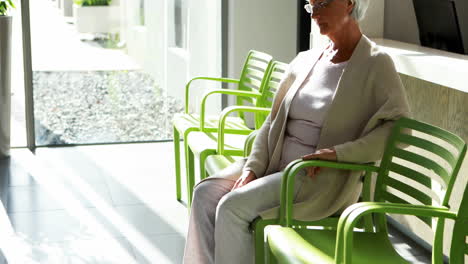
96	19
5	82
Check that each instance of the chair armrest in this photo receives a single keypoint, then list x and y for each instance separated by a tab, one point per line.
221	91
187	87
352	215
225	113
249	143
287	183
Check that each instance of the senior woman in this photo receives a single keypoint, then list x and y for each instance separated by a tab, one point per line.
338	103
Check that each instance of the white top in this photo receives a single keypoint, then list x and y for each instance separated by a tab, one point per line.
308	109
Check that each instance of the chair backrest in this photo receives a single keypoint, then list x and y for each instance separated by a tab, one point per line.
268	89
420	165
272	81
255	68
459	243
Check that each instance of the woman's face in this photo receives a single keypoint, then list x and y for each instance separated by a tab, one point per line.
332	16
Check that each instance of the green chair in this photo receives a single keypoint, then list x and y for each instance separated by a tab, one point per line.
416	177
215	163
227	142
247	92
257	227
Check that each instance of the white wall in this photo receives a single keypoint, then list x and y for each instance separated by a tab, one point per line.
146	44
264	25
177	58
401	24
400	21
373	23
152	45
204	47
155	20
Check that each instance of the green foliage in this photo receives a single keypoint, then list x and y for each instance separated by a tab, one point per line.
5	5
92	2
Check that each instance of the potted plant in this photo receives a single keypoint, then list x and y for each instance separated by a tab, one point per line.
5	76
96	16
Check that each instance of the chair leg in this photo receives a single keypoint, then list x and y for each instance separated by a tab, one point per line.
270	257
259	225
202	159
203	156
177	163
190	175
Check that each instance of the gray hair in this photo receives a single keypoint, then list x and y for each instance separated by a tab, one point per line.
359	10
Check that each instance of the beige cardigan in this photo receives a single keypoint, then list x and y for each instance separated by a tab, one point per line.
369	97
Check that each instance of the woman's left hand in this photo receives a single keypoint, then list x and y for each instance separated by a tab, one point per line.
321	154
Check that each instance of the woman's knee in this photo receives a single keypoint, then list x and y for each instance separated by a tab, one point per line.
230	204
201	191
211	191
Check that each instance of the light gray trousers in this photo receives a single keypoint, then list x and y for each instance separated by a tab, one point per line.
219	222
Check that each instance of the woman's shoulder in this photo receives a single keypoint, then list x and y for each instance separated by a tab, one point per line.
378	56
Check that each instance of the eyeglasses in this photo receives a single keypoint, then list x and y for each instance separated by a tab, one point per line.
311	8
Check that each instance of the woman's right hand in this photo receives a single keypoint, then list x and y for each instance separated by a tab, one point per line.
321	154
246	177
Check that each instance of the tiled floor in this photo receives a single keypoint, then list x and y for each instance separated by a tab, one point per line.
101	204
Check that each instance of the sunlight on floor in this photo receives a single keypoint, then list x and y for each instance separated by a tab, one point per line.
101	229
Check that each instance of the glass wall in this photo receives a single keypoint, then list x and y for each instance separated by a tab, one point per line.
93	80
114	72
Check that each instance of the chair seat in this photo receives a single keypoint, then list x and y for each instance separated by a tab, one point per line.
183	122
318	246
216	163
200	142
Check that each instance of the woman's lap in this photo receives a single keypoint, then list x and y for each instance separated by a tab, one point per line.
247	201
218	228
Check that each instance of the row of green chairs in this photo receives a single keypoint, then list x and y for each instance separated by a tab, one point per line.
334	239
416	177
255	91
214	153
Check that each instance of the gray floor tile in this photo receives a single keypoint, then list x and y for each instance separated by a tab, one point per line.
78	251
60	225
150	182
409	249
138	190
132	194
139	209
18	174
165	219
46	226
77	159
405	246
39	198
98	251
166	249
